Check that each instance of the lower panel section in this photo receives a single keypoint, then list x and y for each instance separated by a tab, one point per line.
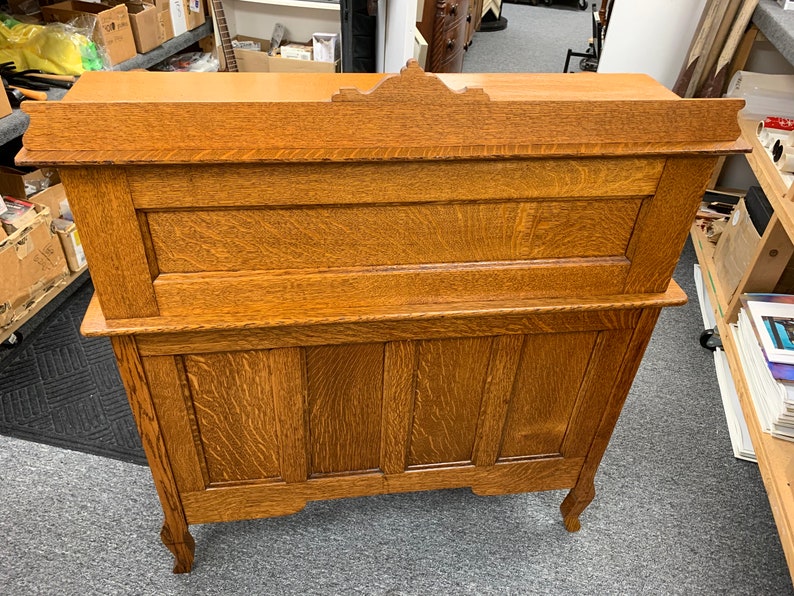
273	499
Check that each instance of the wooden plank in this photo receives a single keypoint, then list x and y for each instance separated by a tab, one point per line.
235	422
288	379
344	392
505	354
185	294
655	248
478	317
493	127
340	236
112	240
174	534
174	409
399	374
542	403
274	499
450	378
367	332
258	185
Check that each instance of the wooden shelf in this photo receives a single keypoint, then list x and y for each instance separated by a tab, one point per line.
775	456
773	184
7	332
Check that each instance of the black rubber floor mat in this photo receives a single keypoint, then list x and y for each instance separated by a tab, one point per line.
64	389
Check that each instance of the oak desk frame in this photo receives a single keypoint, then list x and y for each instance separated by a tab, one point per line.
316	287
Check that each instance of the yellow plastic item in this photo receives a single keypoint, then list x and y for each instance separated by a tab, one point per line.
54	48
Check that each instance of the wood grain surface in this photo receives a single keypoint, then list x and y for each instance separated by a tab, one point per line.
450	378
397	408
271	499
232	397
157	187
301	238
101	201
345	385
547	383
260	293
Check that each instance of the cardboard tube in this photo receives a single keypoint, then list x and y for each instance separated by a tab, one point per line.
786	161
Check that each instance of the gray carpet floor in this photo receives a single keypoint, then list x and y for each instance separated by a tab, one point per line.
675	512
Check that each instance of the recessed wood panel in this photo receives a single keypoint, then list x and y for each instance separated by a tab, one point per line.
233	402
358	236
450	379
549	375
344	385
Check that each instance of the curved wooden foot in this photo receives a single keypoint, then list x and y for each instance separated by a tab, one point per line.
575	502
183	550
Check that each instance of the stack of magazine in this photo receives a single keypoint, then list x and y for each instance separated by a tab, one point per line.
764	335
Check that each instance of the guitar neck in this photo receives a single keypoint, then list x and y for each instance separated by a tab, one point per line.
223	33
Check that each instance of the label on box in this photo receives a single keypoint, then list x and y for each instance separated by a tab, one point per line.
195	5
178	18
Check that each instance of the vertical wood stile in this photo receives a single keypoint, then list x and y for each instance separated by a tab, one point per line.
502	368
654	249
399	374
174	412
288	375
174	534
119	268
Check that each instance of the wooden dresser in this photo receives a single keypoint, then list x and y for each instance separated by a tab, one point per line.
317	289
447	27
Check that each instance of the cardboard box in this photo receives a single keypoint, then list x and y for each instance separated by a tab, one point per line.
112	32
259	61
186	15
145	23
735	249
31	263
297	51
54	199
70	242
18	214
18	184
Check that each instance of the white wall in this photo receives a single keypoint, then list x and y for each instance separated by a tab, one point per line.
398	33
650	37
256	19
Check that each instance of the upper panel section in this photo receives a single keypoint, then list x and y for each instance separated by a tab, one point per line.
141	117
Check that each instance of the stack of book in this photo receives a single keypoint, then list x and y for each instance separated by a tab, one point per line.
764	335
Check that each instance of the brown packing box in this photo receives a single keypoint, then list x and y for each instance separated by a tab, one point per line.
735	249
145	22
253	61
113	31
16	183
183	18
70	242
54	198
5	106
164	20
31	263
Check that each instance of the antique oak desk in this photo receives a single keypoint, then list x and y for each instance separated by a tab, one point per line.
323	286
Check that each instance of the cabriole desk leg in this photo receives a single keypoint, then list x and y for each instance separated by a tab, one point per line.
575	502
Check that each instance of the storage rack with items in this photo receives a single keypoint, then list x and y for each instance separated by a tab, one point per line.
14	126
771	256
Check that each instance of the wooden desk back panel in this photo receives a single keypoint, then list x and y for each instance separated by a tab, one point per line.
382	301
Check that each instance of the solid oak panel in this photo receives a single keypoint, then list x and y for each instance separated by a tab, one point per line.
119	267
273	184
450	377
260	294
268	239
234	409
546	385
344	385
399	391
288	381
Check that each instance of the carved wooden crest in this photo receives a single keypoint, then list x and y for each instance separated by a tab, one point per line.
412	85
